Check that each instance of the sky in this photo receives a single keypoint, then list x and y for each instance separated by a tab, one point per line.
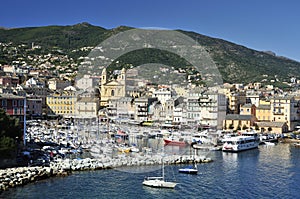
264	25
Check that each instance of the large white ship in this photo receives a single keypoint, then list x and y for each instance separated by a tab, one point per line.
242	142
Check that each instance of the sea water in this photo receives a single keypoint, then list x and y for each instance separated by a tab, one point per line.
267	172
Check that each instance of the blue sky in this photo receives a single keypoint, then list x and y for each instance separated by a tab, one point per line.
257	24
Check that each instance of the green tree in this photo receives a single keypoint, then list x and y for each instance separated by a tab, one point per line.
10	134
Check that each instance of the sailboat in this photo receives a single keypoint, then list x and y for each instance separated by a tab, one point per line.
159	181
190	169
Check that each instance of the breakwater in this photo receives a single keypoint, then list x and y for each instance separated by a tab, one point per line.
12	177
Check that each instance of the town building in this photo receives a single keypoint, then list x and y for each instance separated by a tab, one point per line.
58	84
272	127
13	105
141	108
238	122
212	109
263	113
62	102
235	98
112	89
87	81
9	81
162	94
193	107
86	107
285	109
121	108
248	109
156	112
34	106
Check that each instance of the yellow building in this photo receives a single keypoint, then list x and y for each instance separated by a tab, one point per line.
236	121
113	89
62	103
272	127
285	109
263	113
235	99
248	109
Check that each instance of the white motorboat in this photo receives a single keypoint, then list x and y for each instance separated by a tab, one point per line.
242	142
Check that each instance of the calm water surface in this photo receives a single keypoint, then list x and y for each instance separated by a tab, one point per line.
267	172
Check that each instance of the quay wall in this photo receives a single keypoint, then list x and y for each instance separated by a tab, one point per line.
12	177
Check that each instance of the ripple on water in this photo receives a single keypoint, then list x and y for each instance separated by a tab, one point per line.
263	173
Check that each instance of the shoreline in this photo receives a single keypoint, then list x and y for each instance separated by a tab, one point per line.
20	176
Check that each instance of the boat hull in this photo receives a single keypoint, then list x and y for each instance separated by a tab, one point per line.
238	148
188	171
156	183
174	143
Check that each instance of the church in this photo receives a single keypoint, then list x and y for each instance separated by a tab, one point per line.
112	89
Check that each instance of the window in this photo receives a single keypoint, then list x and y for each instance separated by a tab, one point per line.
112	93
14	102
20	102
4	102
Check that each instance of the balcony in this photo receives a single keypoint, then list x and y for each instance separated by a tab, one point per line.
278	113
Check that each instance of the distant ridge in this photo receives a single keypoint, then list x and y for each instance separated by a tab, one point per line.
236	63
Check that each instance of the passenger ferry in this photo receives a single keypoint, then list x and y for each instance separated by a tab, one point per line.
244	141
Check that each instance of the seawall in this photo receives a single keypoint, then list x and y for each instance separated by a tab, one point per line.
12	177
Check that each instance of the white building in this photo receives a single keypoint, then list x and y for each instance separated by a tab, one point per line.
212	109
57	84
179	114
192	106
87	82
162	95
253	97
86	107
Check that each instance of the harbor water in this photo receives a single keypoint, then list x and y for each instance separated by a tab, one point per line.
267	172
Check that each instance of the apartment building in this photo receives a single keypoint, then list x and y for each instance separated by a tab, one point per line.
62	102
285	109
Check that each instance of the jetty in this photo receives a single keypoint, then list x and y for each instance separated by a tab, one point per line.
12	177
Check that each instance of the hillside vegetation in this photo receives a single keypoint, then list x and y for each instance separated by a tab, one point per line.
235	62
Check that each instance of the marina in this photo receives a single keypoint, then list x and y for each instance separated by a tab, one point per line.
59	148
267	172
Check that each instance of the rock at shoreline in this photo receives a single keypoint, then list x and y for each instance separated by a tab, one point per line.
12	177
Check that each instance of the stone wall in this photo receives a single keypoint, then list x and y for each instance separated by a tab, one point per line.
13	177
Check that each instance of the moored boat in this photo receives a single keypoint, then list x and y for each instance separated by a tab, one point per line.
175	141
269	143
189	170
242	142
159	181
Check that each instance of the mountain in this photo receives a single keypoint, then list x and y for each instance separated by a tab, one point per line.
235	62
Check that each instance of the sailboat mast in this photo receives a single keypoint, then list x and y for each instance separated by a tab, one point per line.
195	159
163	164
